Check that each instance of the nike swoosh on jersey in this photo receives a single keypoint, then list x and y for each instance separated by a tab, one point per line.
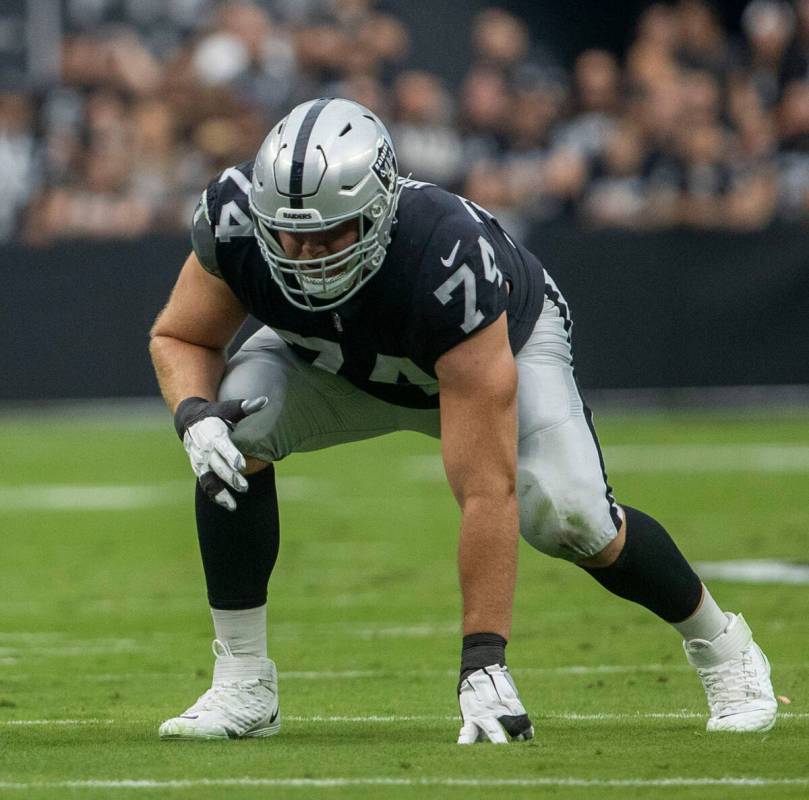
450	260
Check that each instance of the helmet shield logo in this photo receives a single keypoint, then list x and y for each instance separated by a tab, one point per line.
384	166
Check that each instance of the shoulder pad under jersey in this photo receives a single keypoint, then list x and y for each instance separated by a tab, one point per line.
222	217
202	237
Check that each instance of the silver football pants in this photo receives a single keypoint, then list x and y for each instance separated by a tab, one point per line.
566	508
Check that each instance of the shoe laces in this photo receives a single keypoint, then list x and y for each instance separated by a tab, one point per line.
732	683
225	696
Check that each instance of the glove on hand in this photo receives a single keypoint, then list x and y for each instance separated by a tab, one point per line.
491	707
205	429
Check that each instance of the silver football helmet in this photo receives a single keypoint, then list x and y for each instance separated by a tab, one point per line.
327	162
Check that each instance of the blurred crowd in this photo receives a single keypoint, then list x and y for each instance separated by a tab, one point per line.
692	127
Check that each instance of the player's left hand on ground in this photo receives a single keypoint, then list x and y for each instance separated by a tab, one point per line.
491	708
205	429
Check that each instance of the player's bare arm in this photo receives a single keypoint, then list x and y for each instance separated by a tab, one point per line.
478	380
188	348
191	334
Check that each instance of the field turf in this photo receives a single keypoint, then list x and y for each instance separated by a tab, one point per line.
104	629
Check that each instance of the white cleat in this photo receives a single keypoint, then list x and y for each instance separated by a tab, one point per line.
736	677
242	701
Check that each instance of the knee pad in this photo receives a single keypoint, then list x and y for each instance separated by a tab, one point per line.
565	526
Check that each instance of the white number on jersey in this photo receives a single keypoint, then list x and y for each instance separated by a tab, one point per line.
409	183
388	368
473	208
490	269
330	354
232	220
463	275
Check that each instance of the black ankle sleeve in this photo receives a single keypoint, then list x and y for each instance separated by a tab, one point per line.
651	570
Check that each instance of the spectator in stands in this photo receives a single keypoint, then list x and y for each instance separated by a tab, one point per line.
245	52
102	204
617	193
705	180
796	60
768	26
702	43
793	160
484	113
596	99
426	141
161	27
545	173
500	40
18	159
688	130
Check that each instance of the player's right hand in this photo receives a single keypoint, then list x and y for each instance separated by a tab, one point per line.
491	708
205	429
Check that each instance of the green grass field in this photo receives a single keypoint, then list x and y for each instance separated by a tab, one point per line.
104	629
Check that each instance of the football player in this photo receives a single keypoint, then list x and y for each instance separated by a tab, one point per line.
389	305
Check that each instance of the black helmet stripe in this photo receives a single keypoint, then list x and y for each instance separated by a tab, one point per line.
299	153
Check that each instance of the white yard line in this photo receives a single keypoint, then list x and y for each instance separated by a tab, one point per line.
755	571
659	458
66	497
571	716
687	458
26	640
406	631
325	783
34	722
68	651
122	497
599	669
359	674
770	457
315	675
567	716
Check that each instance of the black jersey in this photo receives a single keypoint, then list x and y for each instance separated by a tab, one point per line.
450	270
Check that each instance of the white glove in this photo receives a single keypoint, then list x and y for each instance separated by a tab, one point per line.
205	429
491	707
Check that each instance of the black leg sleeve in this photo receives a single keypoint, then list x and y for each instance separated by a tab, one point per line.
651	570
239	548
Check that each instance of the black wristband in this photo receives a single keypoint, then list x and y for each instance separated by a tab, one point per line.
482	650
188	411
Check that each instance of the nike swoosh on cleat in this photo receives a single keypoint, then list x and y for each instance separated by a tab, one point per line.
187	716
275	715
448	262
741	713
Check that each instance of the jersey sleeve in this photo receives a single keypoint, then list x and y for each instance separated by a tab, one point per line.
203	239
461	289
222	230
